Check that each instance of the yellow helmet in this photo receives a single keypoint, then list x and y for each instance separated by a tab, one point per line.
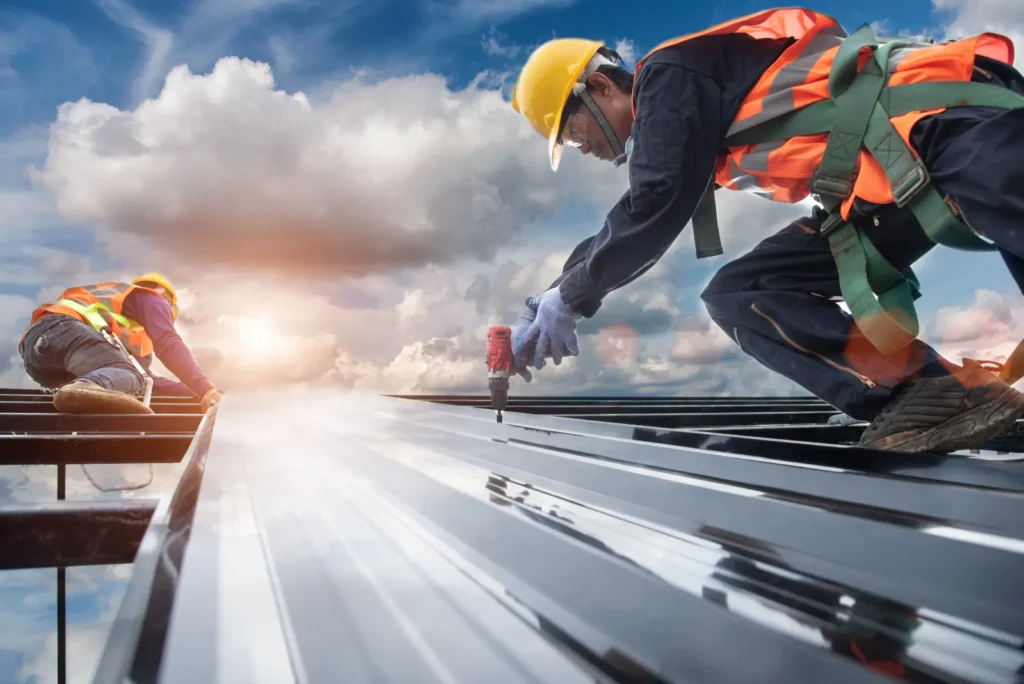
161	281
546	82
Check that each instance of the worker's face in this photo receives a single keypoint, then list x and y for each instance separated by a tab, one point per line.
582	129
170	300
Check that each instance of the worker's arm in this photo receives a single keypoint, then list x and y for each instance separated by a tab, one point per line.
154	314
676	135
166	386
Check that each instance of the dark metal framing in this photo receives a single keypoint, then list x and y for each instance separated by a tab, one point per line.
79	533
627	533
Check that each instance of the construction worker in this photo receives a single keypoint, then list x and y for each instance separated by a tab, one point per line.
64	347
903	144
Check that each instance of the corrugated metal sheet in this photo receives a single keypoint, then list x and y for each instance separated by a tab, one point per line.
322	536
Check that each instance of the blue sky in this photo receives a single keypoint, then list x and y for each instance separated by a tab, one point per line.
66	50
117	53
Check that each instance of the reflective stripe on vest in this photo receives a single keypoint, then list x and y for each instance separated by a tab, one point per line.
100	306
782	170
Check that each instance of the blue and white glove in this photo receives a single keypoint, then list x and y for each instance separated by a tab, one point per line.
553	330
518	332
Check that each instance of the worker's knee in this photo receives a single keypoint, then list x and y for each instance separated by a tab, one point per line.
722	287
119	378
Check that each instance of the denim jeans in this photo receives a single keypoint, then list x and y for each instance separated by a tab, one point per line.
59	349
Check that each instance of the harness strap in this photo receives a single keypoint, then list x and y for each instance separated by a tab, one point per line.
888	322
856	116
97	314
817	118
707	240
879	297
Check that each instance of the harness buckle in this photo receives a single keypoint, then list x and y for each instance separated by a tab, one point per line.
914	181
830	186
833	221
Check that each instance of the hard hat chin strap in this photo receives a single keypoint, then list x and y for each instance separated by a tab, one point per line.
580	89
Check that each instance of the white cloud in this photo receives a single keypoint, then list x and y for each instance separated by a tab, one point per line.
158	42
284	58
402	192
14	310
398	173
204	34
970	17
989	329
497	45
627	50
702	343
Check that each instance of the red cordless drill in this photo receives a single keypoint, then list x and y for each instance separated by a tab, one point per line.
499	365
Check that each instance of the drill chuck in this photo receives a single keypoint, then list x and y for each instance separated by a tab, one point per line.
499	392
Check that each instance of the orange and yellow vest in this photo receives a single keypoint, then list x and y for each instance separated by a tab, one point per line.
781	170
101	307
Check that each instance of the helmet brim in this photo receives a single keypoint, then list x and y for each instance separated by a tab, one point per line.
555	148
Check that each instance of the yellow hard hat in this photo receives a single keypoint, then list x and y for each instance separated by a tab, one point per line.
546	82
162	281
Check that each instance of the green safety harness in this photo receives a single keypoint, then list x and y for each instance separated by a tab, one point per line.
857	115
99	317
97	314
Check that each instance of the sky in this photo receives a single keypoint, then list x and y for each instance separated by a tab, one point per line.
342	194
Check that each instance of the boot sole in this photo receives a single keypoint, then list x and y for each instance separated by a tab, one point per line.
77	400
968	430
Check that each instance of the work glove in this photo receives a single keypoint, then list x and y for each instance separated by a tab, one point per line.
521	361
553	330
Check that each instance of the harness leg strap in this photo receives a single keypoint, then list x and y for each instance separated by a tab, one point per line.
707	240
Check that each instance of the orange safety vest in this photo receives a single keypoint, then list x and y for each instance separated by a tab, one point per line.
107	302
782	170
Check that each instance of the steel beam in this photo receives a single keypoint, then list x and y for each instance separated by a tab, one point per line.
91	449
1012	442
765	413
45	398
483	399
71	533
824	434
952	469
920	502
48	407
691	420
71	422
136	641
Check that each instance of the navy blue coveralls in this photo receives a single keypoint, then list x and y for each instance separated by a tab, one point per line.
775	301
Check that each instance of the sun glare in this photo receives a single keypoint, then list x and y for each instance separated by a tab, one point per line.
257	335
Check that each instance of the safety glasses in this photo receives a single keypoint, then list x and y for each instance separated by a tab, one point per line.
574	133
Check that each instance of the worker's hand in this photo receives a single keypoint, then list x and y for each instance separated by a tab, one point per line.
553	330
210	398
521	359
522	371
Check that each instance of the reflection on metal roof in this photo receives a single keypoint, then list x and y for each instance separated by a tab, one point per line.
317	535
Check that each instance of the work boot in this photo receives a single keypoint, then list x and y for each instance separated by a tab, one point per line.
85	396
947	413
